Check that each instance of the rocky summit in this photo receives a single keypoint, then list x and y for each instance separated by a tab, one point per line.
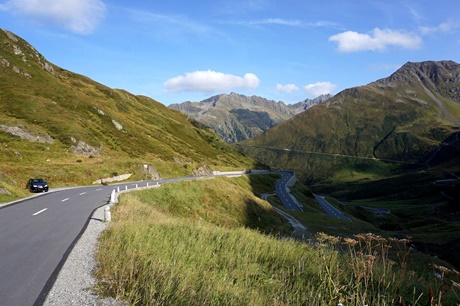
235	117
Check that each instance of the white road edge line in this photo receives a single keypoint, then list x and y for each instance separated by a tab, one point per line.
39	212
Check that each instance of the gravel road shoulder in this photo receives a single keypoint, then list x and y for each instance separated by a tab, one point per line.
75	280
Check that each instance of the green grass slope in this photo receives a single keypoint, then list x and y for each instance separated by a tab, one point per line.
387	153
215	242
71	130
401	118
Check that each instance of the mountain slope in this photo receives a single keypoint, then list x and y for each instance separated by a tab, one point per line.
236	117
403	118
68	128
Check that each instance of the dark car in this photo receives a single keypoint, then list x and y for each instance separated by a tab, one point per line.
37	185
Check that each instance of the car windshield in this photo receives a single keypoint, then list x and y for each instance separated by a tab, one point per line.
38	181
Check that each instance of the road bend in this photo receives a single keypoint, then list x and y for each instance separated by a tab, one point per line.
330	209
282	192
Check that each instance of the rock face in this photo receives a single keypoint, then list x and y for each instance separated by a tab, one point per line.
236	117
150	172
22	51
203	170
84	149
25	134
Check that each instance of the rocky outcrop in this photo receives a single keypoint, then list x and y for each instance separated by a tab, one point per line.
117	124
23	133
203	170
84	149
28	53
150	172
4	191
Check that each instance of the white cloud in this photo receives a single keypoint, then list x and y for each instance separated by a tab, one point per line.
288	88
319	88
210	81
378	40
79	16
441	28
285	22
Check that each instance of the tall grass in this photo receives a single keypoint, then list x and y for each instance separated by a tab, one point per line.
151	255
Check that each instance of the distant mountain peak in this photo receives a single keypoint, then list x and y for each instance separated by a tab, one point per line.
402	117
437	77
235	117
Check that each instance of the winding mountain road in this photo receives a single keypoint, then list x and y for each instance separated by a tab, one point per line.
329	209
38	233
283	193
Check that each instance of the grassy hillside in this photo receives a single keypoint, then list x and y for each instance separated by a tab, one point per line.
71	130
214	242
423	205
401	118
386	153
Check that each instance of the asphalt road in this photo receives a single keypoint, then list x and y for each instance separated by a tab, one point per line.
283	194
36	236
38	233
329	209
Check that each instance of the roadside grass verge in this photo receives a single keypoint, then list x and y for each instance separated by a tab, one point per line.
201	243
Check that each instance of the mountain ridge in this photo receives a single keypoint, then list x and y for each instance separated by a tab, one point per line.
236	117
403	117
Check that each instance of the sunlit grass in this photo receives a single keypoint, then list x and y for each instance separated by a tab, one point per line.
162	250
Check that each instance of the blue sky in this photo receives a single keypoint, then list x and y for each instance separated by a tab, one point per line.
285	50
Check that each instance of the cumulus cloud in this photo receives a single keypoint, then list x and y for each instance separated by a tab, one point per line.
288	88
312	90
210	81
319	88
378	40
79	16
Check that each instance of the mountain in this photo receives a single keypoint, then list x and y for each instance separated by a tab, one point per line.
70	129
402	118
235	117
387	153
307	103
